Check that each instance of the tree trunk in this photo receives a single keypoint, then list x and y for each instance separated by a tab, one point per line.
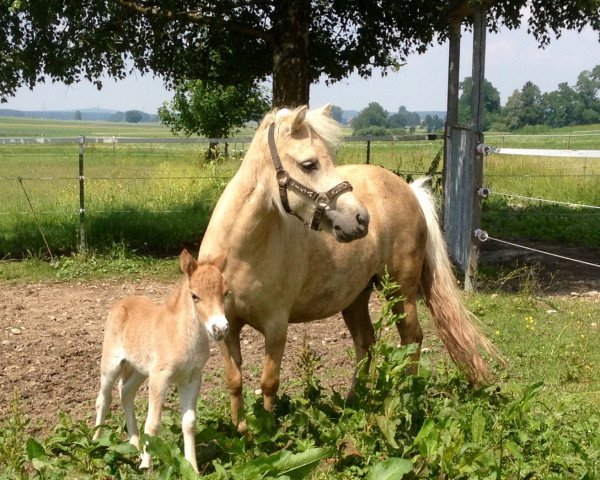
291	25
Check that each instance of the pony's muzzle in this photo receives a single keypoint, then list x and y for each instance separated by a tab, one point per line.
217	327
348	230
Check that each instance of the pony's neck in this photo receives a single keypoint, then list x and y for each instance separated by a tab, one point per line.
244	216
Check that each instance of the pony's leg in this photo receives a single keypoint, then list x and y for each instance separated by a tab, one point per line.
232	357
109	373
357	319
188	396
131	380
275	332
158	387
409	327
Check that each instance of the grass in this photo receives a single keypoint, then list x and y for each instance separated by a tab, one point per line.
155	198
539	421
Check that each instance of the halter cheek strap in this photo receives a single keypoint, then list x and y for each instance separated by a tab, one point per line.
284	180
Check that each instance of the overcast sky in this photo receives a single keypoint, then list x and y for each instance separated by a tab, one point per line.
512	59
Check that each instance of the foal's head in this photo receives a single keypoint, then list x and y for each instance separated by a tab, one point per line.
300	140
207	288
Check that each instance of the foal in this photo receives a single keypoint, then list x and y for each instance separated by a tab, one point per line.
167	344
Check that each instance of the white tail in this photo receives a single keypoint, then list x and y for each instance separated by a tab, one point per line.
454	322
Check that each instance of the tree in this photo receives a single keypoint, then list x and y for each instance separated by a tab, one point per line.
238	42
524	107
562	107
133	116
491	102
404	118
374	115
432	123
213	110
77	115
588	88
336	113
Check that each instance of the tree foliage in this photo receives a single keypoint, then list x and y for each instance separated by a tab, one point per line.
491	101
564	106
374	115
237	42
213	110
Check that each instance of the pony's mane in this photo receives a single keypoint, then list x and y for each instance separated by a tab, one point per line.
319	123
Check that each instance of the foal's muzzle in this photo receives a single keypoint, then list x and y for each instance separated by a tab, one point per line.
217	327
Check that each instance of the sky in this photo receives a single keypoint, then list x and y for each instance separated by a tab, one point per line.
512	58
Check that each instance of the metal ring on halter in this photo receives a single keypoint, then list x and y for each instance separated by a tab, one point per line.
283	178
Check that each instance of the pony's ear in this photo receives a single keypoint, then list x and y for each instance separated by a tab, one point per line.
220	262
187	263
324	110
299	117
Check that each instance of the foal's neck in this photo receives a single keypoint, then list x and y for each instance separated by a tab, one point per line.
181	306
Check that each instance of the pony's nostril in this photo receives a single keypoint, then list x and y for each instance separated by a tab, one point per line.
362	219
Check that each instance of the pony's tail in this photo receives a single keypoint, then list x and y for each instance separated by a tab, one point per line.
440	290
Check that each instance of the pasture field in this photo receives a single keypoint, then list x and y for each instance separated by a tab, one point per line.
154	197
539	419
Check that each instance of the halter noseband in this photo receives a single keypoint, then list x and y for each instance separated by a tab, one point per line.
320	199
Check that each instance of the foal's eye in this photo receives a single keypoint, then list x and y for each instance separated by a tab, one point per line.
195	298
309	165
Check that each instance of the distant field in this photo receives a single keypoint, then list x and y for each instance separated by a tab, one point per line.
154	197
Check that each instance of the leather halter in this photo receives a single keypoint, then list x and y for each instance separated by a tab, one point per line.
284	180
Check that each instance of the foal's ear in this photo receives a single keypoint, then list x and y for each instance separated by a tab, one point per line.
299	117
220	262
187	263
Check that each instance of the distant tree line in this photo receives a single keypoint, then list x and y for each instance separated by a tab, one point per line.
375	120
528	106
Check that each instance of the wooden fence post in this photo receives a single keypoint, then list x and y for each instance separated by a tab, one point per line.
463	168
82	239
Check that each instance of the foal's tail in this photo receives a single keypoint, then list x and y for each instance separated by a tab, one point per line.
454	322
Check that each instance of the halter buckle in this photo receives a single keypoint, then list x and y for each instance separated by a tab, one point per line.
322	200
282	178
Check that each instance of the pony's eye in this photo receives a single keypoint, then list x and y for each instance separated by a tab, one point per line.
309	166
195	298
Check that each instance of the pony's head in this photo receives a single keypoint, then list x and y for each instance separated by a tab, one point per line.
206	289
304	181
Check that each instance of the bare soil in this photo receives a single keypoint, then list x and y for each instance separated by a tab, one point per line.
51	336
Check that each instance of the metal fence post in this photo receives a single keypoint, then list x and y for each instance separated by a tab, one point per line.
82	240
368	151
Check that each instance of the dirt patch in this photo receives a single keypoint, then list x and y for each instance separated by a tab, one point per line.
51	341
51	335
553	275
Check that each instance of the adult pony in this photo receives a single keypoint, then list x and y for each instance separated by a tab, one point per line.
305	240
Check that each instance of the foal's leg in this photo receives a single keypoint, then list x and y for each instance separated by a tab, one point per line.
188	396
358	321
275	332
158	386
109	373
232	357
131	380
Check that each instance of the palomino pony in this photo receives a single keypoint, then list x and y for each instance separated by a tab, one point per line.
305	240
167	344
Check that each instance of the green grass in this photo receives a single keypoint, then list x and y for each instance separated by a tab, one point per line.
156	197
539	421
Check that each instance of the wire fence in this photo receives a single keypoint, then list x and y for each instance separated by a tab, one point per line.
572	211
87	178
164	176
